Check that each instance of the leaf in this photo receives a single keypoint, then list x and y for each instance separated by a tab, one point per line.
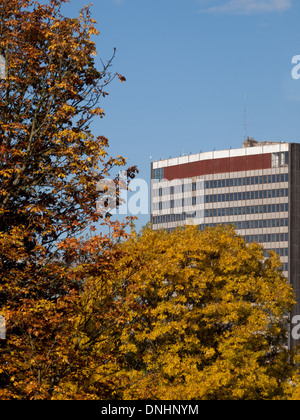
121	78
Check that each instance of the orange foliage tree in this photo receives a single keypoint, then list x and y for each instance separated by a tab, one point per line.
50	91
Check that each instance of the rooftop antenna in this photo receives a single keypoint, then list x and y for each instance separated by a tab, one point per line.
245	117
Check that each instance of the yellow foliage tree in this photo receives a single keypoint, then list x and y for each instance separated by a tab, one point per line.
206	318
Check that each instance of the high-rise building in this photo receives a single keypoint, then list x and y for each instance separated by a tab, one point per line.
256	188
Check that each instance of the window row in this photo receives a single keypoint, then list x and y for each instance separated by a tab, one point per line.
268	237
220	183
219	198
237	211
254	224
178	189
248	195
182	202
282	252
181	217
250	180
241	225
260	238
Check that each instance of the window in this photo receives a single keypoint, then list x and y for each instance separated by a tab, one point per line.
285	267
158	174
280	159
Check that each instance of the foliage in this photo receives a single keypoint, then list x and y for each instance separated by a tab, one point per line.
51	162
56	344
210	320
50	166
187	315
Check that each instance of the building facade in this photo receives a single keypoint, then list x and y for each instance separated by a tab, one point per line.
256	188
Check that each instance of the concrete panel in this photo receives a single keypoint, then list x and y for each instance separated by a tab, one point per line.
294	233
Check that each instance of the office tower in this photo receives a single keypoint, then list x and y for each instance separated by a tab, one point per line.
256	188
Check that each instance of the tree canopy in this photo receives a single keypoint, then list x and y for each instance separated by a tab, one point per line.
186	315
207	317
51	89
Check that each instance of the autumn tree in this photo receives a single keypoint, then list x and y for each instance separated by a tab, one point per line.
51	162
184	315
68	346
206	318
51	89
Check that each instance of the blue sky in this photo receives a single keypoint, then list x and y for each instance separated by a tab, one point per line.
189	64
